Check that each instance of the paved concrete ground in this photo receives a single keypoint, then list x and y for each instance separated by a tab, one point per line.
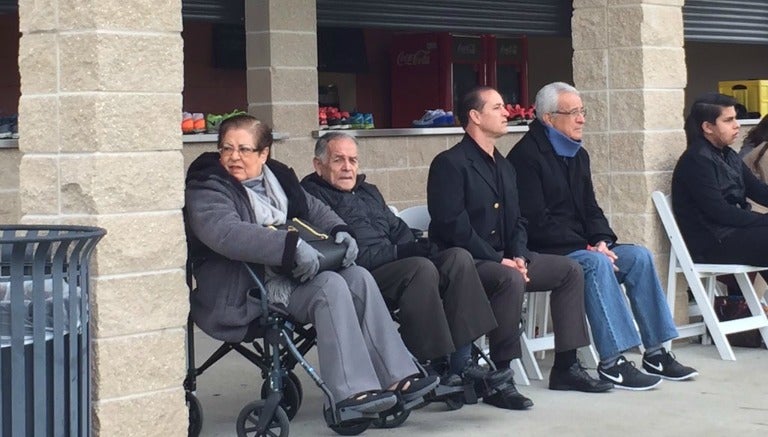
728	398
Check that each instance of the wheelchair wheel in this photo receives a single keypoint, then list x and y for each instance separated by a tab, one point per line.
299	389
195	415
392	418
351	427
291	397
249	418
454	402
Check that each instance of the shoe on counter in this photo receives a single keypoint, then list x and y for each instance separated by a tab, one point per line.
508	398
429	118
322	118
576	378
446	120
344	120
368	121
666	366
187	123
356	121
624	375
9	126
198	122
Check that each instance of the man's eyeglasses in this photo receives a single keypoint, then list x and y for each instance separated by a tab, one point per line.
244	151
573	112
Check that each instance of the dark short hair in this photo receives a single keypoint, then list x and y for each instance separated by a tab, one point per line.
321	146
470	101
262	134
706	107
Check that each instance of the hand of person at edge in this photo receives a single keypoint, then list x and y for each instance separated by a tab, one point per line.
518	264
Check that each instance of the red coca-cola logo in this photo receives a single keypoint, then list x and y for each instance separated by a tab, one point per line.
419	57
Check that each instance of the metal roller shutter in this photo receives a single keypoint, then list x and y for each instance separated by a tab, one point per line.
217	11
8	6
744	21
532	17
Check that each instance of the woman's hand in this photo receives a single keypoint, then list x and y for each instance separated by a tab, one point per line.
351	255
307	262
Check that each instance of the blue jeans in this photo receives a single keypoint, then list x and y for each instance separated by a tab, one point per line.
610	319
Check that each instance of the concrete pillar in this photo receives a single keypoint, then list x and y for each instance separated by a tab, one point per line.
99	120
281	46
629	64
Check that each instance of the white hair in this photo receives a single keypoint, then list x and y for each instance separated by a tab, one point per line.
548	96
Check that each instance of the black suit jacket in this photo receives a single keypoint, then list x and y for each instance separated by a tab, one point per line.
560	205
464	203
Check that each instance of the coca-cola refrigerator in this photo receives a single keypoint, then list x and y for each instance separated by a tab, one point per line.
433	70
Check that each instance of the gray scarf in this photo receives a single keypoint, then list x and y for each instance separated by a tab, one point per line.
270	207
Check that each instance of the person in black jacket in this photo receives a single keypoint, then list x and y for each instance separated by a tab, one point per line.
442	307
710	187
558	199
472	199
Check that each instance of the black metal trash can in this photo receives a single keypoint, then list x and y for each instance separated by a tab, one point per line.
44	338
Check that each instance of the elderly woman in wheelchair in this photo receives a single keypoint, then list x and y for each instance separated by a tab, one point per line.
235	201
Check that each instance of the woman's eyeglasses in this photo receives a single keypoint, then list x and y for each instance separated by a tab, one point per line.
244	151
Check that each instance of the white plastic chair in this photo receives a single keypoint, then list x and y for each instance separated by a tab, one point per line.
416	217
532	342
701	279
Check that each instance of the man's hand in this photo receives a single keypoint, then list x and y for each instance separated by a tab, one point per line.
602	247
518	264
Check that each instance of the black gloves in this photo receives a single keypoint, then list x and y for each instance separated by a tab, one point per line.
420	247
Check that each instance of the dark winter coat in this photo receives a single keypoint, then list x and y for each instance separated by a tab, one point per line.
557	196
222	232
377	229
710	188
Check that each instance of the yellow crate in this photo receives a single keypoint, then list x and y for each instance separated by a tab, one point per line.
751	93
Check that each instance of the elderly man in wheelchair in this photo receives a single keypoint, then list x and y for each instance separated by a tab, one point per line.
236	200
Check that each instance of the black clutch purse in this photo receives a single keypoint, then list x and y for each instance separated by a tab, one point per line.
333	254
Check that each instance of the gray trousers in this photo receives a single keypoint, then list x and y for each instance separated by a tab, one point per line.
358	346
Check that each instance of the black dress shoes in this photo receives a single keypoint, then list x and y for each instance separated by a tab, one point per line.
576	378
508	397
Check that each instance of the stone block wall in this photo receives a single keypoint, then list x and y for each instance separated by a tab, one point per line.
9	186
629	64
100	145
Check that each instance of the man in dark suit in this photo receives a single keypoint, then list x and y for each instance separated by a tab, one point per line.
557	197
472	199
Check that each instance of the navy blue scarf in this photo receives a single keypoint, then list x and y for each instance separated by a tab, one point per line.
563	145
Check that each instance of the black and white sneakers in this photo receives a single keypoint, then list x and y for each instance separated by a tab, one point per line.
666	366
625	375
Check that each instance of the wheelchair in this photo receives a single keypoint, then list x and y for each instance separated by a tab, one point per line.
279	344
